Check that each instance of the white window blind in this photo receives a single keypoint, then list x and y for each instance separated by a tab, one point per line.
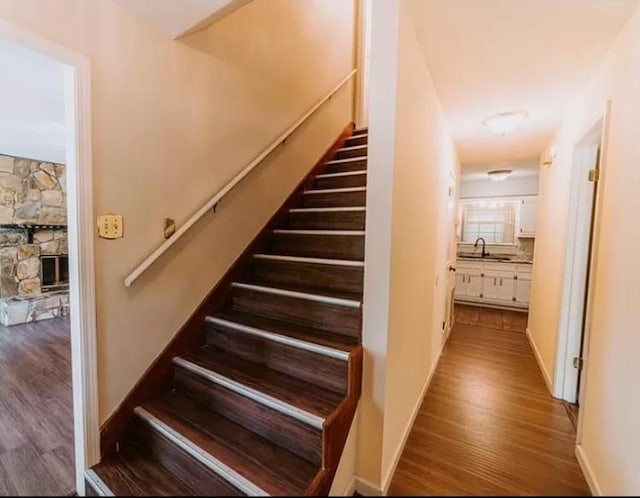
493	220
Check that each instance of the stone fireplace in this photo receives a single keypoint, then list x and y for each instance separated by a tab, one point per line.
34	265
54	272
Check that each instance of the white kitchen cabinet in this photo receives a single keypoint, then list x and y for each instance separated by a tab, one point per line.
497	284
474	284
506	287
523	288
468	283
461	284
527	217
489	289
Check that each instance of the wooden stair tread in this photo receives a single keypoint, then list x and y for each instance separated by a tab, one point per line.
131	473
295	392
268	466
306	334
260	400
322	292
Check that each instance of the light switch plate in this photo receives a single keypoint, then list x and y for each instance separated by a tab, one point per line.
110	226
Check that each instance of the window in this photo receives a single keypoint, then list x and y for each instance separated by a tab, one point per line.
493	220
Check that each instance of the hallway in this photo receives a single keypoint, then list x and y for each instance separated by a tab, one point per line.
488	425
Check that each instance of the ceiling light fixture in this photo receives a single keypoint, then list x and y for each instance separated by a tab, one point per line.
499	175
506	122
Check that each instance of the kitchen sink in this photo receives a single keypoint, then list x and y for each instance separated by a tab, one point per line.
488	258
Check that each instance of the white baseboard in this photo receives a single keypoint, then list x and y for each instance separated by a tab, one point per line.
595	488
350	489
386	480
543	369
367	488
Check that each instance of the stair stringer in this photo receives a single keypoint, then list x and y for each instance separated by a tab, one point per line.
336	427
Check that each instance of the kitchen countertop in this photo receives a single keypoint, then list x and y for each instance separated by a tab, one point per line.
496	258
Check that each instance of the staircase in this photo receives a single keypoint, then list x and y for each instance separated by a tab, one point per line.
263	405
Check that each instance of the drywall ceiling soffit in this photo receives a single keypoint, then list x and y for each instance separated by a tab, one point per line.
492	56
520	169
177	18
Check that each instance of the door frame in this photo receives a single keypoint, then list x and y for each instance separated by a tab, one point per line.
451	264
77	73
575	307
363	62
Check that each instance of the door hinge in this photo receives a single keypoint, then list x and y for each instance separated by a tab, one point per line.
443	325
514	299
481	296
594	175
578	363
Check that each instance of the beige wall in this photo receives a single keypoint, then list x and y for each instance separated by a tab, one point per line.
610	439
408	232
172	123
421	224
382	130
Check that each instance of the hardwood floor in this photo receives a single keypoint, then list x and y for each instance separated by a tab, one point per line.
572	411
488	425
36	422
515	321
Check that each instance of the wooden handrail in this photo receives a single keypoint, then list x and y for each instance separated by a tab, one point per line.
212	203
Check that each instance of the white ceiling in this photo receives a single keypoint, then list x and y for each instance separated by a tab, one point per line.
179	17
493	56
32	114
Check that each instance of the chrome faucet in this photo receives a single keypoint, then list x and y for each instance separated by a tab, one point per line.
484	246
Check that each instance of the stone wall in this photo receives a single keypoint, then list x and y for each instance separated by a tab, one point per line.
20	261
32	192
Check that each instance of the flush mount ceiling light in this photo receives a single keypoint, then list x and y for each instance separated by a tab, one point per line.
506	122
499	175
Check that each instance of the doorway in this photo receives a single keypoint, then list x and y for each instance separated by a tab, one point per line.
450	266
55	210
587	173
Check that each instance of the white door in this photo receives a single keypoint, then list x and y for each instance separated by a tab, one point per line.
450	296
579	259
450	270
